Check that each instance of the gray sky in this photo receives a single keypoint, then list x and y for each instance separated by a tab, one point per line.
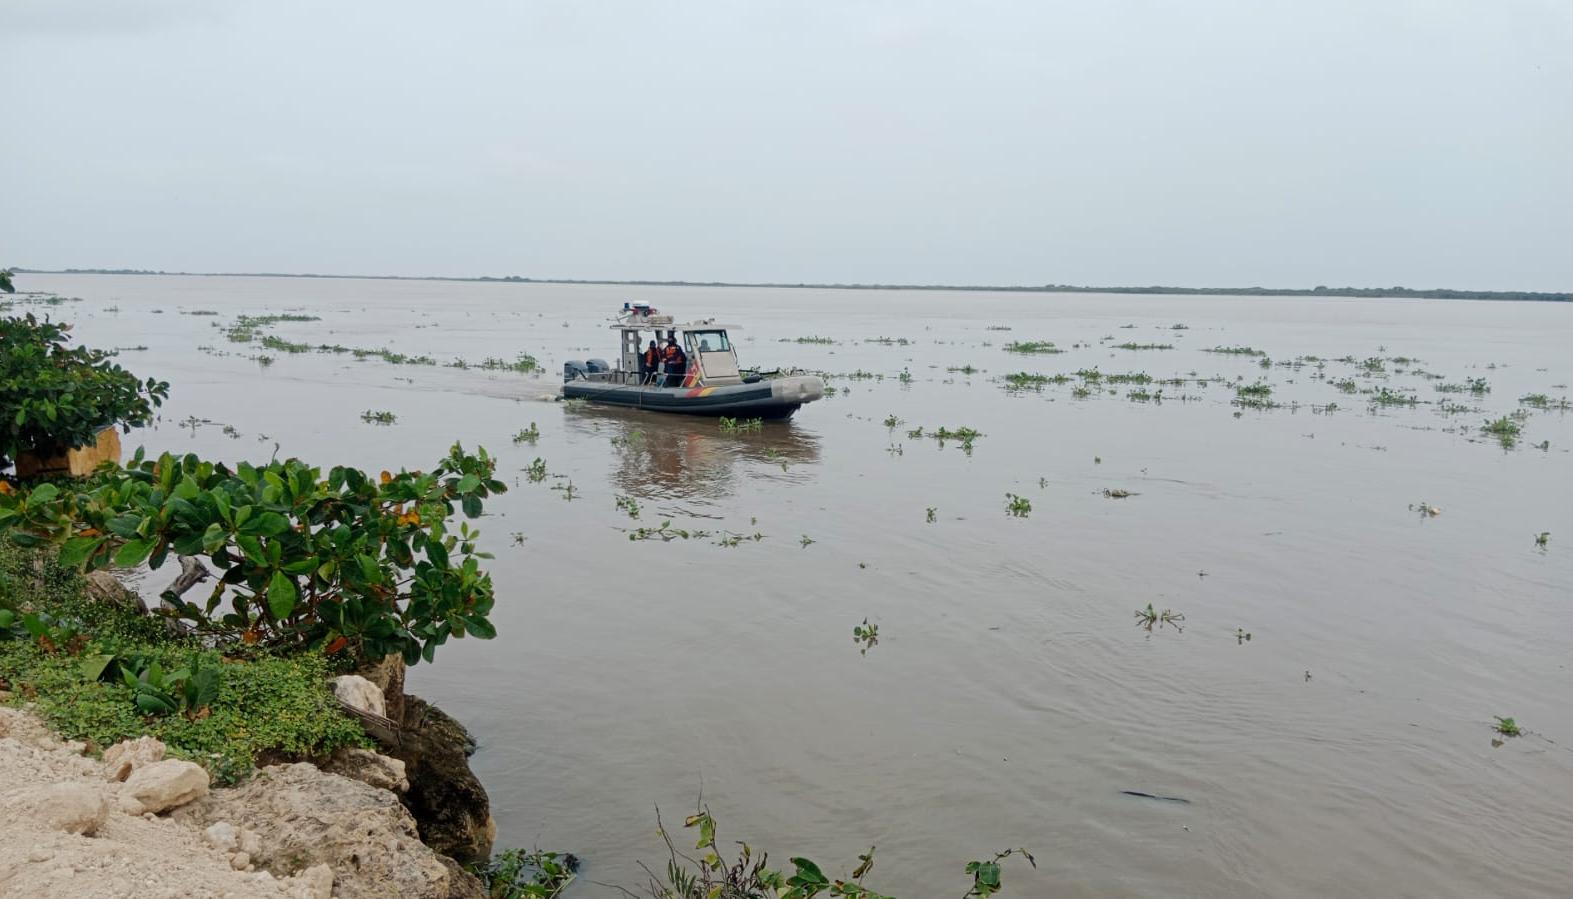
1228	142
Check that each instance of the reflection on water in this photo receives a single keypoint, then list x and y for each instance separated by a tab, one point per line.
682	457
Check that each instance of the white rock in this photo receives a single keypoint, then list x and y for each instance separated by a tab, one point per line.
368	767
128	755
240	861
360	693
250	843
318	881
70	807
163	785
222	836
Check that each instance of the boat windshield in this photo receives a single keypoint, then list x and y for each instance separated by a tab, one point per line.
709	341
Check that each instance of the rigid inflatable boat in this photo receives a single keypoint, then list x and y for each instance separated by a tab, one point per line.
708	382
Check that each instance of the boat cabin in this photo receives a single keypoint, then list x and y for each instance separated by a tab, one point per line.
712	362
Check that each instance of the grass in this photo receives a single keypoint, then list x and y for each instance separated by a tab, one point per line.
266	705
1032	347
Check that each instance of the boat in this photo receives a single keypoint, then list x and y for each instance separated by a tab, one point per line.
711	384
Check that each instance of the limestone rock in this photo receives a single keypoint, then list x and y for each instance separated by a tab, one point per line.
104	587
302	817
240	861
359	692
69	807
318	881
388	675
128	755
222	836
368	767
163	785
445	796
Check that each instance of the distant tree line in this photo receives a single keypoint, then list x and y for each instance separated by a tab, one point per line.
1435	293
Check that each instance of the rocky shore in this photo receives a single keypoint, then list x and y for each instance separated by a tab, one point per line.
401	820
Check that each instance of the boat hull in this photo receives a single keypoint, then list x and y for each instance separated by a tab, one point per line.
772	398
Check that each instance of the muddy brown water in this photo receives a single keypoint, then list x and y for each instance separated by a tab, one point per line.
1010	701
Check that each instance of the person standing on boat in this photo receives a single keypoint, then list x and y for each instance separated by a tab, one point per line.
676	363
648	363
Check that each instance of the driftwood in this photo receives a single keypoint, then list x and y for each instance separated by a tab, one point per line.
192	573
384	730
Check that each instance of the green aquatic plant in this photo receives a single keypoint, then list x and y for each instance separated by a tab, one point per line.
628	504
806	541
527	435
517	874
522	364
825	341
866	635
1255	396
931	514
380	417
537	470
1386	397
962	369
568	490
1505	429
1017	506
1542	538
1236	351
1032	347
905	377
1507	727
1146	618
666	533
1144	346
743	426
891	422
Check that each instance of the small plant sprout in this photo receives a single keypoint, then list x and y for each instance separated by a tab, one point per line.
628	504
1241	636
891	421
537	470
1017	506
1507	727
932	515
905	377
866	635
1542	538
805	540
527	435
1146	618
1504	429
378	417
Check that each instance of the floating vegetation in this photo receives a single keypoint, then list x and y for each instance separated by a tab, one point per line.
1017	506
1236	351
527	435
962	370
1375	365
1347	385
516	874
1241	636
741	426
1144	346
1507	727
866	635
1541	401
1146	618
270	342
379	417
568	490
1505	429
963	435
932	515
628	504
1385	397
806	541
537	470
666	533
1022	380
1179	327
1476	386
823	341
1142	395
889	341
248	327
729	539
1118	493
1541	539
1255	396
997	328
194	312
891	421
1039	347
1425	509
524	364
905	377
1080	392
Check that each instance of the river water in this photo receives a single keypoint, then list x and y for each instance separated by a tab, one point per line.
1012	699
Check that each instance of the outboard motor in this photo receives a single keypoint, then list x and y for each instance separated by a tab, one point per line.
572	369
596	366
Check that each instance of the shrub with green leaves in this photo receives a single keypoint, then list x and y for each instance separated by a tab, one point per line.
54	397
347	561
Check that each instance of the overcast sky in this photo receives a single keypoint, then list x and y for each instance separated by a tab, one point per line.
1205	142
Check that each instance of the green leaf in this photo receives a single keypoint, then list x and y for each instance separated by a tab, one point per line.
267	524
479	626
134	553
281	595
43	493
472	506
93	666
468	483
76	550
